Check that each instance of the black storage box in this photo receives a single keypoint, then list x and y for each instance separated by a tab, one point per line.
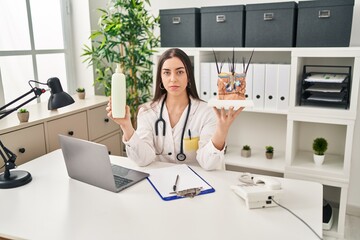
271	24
324	23
180	27
222	26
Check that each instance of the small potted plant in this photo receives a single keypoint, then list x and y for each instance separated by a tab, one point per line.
269	153
319	146
246	151
81	92
23	115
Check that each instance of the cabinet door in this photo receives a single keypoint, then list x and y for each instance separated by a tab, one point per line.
26	144
74	125
113	144
99	123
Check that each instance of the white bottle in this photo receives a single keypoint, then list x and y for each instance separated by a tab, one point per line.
118	93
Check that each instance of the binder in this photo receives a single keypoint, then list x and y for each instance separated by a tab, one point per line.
249	83
205	80
283	87
271	79
163	180
258	85
214	79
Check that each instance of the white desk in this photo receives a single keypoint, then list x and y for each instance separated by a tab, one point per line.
53	206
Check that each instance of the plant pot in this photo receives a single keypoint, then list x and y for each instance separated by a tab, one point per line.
245	153
23	117
319	159
81	95
269	155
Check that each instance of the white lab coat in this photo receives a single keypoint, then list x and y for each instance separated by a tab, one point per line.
145	147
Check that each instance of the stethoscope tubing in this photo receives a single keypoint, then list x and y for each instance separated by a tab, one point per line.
180	156
161	119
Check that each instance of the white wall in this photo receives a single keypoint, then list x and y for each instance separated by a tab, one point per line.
81	31
354	192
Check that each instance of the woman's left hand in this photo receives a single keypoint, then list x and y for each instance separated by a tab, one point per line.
224	121
226	118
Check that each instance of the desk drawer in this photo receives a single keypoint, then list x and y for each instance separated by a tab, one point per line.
27	143
74	125
114	144
100	124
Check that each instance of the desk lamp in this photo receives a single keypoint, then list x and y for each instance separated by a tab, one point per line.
58	99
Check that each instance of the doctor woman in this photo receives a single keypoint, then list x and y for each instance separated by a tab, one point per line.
176	126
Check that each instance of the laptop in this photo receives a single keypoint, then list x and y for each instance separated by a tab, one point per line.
89	162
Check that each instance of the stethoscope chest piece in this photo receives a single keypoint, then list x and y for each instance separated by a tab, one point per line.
181	156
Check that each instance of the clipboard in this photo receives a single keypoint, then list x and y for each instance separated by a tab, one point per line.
163	179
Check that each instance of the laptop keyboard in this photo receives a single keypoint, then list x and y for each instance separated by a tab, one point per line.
119	181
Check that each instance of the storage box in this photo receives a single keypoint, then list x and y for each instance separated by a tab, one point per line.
324	23
222	26
180	27
271	24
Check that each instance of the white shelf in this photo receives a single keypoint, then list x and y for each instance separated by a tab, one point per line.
256	161
331	169
264	110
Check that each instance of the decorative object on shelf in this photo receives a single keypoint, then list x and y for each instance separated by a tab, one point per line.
269	153
319	146
81	92
126	35
246	151
11	178
231	85
23	115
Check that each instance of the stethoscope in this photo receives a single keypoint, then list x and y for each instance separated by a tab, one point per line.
180	156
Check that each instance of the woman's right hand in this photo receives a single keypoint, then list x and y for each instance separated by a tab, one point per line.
125	123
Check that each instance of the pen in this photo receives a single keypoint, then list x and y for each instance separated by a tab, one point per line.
175	184
189	134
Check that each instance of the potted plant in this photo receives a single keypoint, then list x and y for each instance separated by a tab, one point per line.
269	153
319	146
23	115
125	36
81	92
246	151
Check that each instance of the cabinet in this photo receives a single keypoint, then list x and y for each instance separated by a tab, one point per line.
100	124
292	129
74	125
86	119
26	148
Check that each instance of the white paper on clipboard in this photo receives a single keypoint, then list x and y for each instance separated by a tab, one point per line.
163	180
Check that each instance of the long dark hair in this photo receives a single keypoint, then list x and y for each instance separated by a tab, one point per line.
170	53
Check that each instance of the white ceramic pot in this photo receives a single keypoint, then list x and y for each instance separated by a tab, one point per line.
319	159
245	153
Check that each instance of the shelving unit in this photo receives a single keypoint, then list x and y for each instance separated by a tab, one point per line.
292	131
